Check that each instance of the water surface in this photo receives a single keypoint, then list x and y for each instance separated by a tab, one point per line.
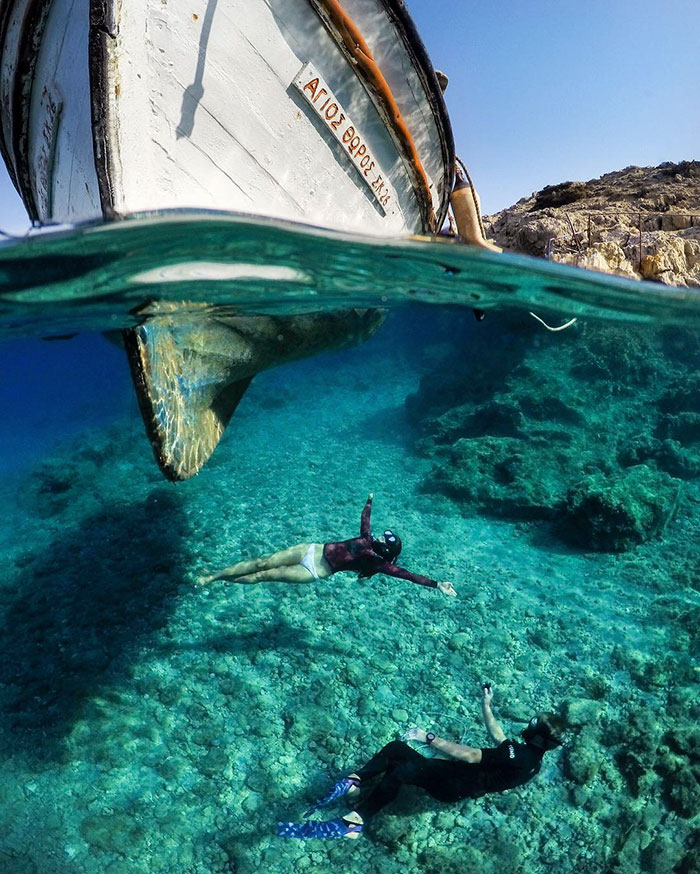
151	726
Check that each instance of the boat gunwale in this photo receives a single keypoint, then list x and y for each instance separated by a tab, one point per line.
15	153
5	150
101	28
353	44
8	155
416	47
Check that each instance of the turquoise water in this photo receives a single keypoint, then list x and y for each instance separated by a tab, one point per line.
147	725
95	277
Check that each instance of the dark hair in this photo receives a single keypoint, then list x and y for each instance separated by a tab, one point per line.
543	731
557	726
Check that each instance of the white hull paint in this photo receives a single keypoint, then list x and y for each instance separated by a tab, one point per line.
114	108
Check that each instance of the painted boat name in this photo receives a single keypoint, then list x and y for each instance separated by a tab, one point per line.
328	109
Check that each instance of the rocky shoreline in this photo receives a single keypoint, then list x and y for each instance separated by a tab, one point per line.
640	222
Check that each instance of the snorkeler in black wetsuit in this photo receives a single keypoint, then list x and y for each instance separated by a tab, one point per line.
306	562
468	773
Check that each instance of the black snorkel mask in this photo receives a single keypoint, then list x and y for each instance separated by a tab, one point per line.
388	545
538	734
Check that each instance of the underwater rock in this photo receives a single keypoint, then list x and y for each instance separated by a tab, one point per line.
112	832
685	741
682	395
461	640
51	488
595	685
213	763
653	673
514	422
668	455
637	767
19	864
543	636
683	427
498	418
507	802
616	355
498	475
613	513
643	756
582	759
662	854
691	861
681	784
582	711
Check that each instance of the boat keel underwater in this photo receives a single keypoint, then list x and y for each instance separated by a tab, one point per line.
191	375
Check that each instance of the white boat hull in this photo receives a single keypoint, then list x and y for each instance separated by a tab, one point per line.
253	106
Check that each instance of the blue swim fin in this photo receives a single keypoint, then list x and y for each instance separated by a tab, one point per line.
343	787
314	828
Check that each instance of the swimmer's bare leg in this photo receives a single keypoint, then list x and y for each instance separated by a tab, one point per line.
295	574
285	557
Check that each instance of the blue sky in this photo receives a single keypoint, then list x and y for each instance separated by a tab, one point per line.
542	91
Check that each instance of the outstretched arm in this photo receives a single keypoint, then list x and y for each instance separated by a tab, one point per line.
448	747
392	570
365	526
494	727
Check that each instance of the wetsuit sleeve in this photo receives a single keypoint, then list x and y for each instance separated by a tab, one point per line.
365	526
392	570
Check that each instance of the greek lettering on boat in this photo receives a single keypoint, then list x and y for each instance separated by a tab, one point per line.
328	108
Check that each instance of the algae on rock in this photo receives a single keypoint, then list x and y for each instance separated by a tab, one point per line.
594	429
615	513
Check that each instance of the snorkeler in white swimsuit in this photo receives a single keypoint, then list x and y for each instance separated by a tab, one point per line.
367	555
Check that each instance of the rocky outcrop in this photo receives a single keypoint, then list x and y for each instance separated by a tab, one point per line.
596	432
613	513
640	222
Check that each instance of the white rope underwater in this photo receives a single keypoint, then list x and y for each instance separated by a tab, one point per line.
549	327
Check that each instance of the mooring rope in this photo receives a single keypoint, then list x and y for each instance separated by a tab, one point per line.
549	327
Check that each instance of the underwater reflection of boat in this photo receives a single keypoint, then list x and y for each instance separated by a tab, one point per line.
316	111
